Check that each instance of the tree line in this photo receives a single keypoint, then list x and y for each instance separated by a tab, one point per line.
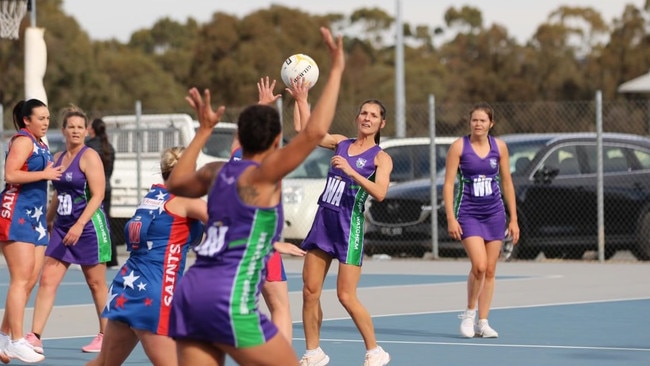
571	55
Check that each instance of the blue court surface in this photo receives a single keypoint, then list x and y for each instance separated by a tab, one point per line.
571	313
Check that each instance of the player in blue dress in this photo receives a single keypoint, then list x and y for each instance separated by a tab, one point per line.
476	216
158	237
23	229
359	168
79	232
215	308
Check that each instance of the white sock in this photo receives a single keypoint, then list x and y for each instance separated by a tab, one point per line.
373	351
311	352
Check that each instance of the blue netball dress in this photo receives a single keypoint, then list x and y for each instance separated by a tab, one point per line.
24	205
217	300
73	193
141	292
338	226
478	205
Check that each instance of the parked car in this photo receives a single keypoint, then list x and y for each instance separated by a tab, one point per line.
555	185
302	187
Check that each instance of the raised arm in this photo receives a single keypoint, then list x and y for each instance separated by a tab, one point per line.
282	161
265	91
301	113
184	179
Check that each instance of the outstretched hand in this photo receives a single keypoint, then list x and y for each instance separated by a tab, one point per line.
265	90
299	89
208	118
335	47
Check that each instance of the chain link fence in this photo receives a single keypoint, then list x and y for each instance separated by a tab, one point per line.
564	222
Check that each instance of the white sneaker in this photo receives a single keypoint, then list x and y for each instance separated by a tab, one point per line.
4	341
484	330
377	358
468	318
318	358
21	350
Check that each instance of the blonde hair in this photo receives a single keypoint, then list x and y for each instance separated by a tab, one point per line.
72	111
168	160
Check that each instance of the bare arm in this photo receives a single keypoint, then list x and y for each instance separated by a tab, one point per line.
194	208
379	187
453	161
284	160
20	149
508	190
301	113
184	180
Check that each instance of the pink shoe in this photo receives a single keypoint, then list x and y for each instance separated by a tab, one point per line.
95	345
33	341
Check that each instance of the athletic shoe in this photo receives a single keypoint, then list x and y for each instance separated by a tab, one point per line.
95	345
484	330
318	358
33	341
468	318
4	341
21	350
377	358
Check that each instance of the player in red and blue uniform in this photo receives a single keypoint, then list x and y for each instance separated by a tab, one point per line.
158	237
23	229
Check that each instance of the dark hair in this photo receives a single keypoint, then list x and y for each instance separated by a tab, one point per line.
99	127
382	111
257	127
485	107
23	109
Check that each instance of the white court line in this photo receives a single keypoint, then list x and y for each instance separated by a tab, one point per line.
444	283
497	308
383	341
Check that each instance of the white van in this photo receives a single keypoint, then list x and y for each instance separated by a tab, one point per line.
138	144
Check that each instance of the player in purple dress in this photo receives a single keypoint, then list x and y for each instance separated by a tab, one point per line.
79	232
476	216
359	168
215	307
158	237
23	230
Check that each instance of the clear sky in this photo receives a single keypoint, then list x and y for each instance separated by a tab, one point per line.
105	19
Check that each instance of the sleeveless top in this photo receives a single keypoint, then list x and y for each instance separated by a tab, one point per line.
26	202
158	234
235	230
72	190
479	191
341	192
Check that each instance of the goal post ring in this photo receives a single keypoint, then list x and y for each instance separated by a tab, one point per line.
12	13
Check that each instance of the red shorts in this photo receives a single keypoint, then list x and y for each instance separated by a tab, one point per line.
275	268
